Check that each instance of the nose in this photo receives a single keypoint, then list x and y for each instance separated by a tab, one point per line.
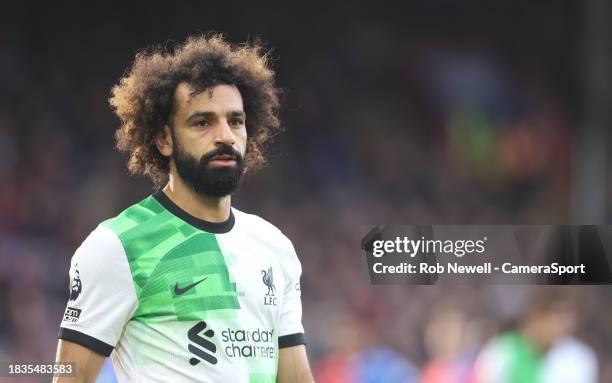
224	134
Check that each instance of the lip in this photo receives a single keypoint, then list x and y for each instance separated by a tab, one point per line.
224	157
222	162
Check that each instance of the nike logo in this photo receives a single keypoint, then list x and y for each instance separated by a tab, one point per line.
182	290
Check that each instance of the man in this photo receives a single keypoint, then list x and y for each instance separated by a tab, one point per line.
181	286
543	349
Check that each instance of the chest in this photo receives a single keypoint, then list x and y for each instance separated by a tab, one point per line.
207	276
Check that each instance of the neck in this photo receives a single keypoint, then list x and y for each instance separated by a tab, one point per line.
210	209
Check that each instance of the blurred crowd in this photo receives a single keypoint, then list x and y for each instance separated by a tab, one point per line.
433	116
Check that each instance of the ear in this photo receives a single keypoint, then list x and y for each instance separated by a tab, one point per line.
163	141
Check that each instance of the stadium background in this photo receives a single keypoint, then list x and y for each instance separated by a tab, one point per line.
445	112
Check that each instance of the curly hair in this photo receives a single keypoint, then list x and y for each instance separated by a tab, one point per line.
144	98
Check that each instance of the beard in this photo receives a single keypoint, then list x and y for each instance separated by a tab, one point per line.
205	180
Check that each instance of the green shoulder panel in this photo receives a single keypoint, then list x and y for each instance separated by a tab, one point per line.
165	255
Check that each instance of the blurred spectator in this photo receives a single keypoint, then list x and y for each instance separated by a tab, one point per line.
358	358
543	349
451	344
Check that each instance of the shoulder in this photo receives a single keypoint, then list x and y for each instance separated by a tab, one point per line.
571	348
100	250
101	261
254	223
105	246
267	232
100	241
133	216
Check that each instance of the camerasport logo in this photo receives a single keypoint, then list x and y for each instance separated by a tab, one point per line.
203	349
254	343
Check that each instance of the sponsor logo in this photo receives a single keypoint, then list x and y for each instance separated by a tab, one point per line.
267	278
182	290
254	343
207	349
75	285
71	314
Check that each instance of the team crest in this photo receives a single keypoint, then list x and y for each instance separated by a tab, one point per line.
267	277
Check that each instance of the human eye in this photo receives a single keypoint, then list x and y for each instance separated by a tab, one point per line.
202	123
236	121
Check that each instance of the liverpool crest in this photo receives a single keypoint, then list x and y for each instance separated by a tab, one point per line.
267	277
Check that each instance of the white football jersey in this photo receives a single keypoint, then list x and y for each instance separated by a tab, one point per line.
173	298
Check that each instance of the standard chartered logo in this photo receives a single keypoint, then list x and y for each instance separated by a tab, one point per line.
203	344
242	343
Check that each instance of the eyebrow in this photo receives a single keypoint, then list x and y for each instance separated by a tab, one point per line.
237	113
210	115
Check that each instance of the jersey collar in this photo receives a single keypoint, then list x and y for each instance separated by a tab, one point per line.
211	227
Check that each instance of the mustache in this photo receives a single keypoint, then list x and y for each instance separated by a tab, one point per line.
222	150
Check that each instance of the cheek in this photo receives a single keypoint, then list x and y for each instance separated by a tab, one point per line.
197	146
241	140
204	141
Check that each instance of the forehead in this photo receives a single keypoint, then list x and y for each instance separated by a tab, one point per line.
219	99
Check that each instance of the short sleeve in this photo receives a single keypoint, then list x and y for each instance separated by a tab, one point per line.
102	294
291	330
